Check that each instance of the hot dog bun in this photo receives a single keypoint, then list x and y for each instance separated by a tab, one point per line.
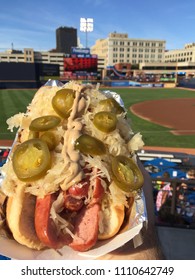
20	218
112	219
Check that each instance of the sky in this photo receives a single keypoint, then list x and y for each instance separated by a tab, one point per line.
33	24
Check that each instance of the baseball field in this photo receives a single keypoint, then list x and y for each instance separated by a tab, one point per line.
165	117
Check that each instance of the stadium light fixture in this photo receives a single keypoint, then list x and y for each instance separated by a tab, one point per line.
86	25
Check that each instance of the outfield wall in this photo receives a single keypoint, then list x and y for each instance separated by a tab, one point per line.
187	83
127	83
19	84
25	75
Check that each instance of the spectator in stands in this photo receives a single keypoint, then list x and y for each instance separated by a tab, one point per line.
186	194
190	186
191	174
163	195
164	192
162	183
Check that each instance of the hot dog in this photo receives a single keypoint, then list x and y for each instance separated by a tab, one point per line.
74	160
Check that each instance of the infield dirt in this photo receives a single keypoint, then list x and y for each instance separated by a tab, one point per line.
177	114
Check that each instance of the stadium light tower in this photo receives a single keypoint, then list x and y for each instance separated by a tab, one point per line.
86	25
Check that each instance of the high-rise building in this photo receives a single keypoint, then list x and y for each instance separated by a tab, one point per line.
66	37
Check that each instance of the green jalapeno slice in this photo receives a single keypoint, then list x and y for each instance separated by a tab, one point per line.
31	160
63	101
87	144
111	105
126	174
44	123
105	121
50	139
33	134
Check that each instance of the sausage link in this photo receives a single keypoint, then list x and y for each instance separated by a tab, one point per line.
72	203
45	227
86	228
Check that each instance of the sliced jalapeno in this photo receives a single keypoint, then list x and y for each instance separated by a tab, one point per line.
62	102
50	139
105	121
126	174
111	105
31	160
44	123
33	134
87	144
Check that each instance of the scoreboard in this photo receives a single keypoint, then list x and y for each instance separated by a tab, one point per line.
80	63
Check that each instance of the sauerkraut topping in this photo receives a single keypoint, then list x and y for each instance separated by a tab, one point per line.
61	223
67	163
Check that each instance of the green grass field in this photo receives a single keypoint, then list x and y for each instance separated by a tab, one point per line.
14	101
156	135
11	103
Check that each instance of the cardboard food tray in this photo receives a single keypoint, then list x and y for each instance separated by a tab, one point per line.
10	248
